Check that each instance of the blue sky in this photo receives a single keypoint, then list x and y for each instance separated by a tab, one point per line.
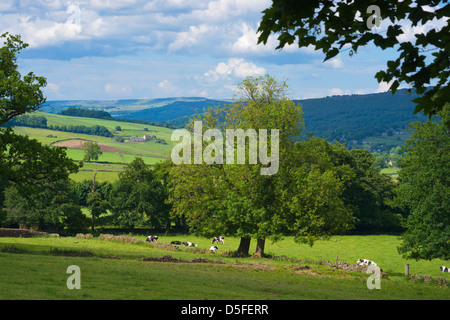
122	49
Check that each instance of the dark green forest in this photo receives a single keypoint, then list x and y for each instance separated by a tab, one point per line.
355	117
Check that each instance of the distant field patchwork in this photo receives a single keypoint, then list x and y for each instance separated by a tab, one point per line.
115	154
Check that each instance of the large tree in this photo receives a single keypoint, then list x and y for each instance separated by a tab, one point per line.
18	95
51	206
425	189
236	199
370	194
91	151
340	26
24	163
137	197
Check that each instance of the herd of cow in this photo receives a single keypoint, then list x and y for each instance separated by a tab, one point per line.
190	244
222	239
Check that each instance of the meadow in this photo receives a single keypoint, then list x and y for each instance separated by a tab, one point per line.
115	156
35	268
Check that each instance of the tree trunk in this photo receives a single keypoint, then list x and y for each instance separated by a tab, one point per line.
244	246
259	248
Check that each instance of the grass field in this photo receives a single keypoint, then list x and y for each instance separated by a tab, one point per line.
124	153
37	270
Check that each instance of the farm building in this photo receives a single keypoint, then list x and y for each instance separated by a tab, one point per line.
137	139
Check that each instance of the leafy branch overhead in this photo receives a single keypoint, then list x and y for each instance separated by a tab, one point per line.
17	95
337	26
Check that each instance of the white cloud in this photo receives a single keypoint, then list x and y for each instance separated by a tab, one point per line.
7	5
336	92
117	90
53	86
111	4
43	33
235	67
189	38
410	32
164	84
335	63
384	86
248	42
223	10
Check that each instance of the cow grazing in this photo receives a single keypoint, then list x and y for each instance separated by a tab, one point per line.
152	238
366	262
218	239
190	244
444	269
214	248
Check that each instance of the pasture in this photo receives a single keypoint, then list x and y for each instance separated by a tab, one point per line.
35	268
115	154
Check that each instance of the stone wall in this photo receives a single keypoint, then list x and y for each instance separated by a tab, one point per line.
16	233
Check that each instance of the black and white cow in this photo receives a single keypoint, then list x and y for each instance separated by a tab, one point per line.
152	238
184	243
445	269
366	262
214	248
218	239
190	244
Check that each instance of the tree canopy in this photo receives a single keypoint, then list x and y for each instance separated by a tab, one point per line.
91	151
338	26
18	95
301	198
137	197
425	189
33	171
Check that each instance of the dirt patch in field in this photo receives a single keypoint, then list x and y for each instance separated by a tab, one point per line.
166	258
78	144
254	266
311	273
169	258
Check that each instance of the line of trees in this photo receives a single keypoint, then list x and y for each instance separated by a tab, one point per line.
26	120
87	113
94	130
101	114
36	121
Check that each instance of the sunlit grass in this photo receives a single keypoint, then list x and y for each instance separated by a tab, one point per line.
113	270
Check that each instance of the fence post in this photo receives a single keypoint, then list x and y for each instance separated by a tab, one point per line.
406	269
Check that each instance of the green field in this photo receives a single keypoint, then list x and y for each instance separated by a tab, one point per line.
113	270
124	153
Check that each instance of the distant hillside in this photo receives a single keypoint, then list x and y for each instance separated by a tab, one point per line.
354	117
139	108
356	120
374	121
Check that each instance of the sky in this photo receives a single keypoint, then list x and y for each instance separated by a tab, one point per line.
135	49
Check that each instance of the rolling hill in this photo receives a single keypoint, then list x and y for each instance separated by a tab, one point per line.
376	121
163	109
115	154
